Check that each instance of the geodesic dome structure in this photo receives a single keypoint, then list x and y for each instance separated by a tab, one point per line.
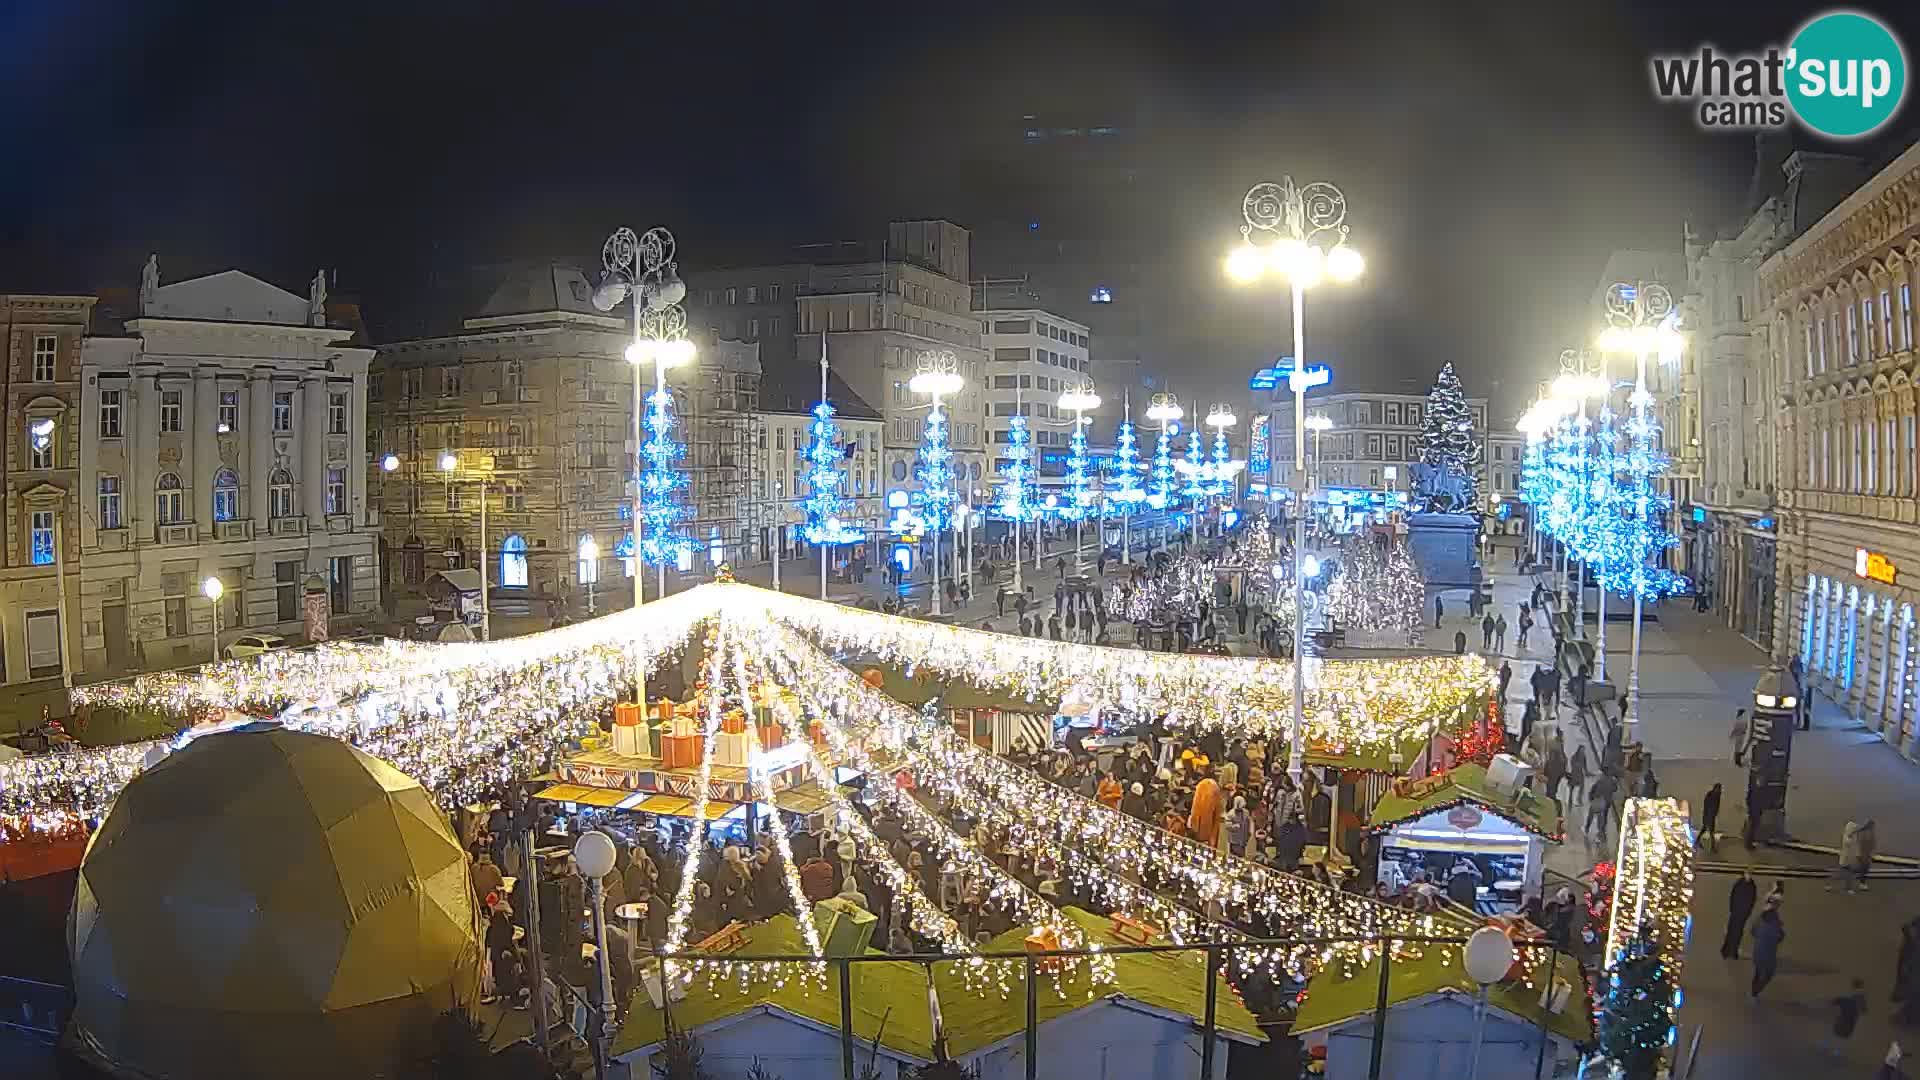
267	902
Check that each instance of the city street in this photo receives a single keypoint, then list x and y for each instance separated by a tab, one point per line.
1694	673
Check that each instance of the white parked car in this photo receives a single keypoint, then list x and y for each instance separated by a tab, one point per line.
254	645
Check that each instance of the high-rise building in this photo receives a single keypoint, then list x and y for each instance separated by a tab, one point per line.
39	562
1036	355
221	433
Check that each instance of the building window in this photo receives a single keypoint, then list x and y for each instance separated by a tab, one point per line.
280	494
753	294
45	348
453	499
733	296
40	528
450	381
753	329
229	411
337	414
340	582
1820	341
170	409
1889	341
1809	330
336	491
43	644
516	374
513	497
40	431
283	411
513	562
169	502
1866	328
110	414
226	495
286	591
109	502
1906	316
773	294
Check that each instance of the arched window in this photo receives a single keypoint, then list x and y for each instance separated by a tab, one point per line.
169	506
226	495
513	562
280	494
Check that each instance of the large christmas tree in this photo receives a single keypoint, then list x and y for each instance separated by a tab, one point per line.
1448	439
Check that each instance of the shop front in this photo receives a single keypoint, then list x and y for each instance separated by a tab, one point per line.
1481	845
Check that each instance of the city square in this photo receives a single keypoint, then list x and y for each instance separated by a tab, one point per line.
1142	564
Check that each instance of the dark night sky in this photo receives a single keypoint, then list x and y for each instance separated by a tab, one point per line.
1492	154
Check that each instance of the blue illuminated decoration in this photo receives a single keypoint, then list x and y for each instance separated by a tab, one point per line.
1700	514
825	474
1016	496
1259	454
1124	490
935	471
1079	496
1161	494
662	505
1217	476
1264	379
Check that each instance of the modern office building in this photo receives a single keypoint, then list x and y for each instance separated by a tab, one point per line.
1036	355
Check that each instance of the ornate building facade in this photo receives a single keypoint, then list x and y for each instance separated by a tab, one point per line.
1839	307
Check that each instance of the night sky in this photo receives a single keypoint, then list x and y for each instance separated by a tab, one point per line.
1492	155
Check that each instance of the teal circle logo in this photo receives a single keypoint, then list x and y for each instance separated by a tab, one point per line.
1846	75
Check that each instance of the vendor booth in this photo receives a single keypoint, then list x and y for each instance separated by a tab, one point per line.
1460	825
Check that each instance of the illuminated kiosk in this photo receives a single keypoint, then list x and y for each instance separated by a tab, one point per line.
1459	819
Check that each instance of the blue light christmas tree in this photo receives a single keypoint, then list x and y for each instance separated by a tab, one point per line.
663	503
1642	533
1160	496
1222	458
825	473
1194	467
1079	504
1636	1011
1015	502
1123	490
935	472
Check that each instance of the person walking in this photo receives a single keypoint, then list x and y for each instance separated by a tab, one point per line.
1906	973
1709	818
1506	676
1738	735
1556	766
1526	625
1768	933
1486	632
1439	611
1849	856
1865	841
1600	805
1740	901
1848	1008
1577	776
1500	633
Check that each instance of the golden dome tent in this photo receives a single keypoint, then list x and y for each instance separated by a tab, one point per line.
267	902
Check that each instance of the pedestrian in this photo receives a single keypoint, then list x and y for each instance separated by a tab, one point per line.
1526	626
1848	1008
1500	633
1738	735
1556	767
1506	676
1600	804
1060	564
1053	627
1865	841
1000	600
1768	933
1577	776
1649	783
1709	818
1906	973
1740	901
1439	611
1059	598
1240	613
1486	632
1849	856
1459	643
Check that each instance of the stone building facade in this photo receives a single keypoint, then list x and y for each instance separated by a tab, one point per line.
222	433
1838	303
40	356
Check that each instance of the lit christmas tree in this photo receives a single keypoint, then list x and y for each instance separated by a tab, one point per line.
1642	532
1217	483
825	473
1016	473
1194	468
1079	503
1123	487
1636	1011
1448	439
1161	494
663	503
935	472
1377	589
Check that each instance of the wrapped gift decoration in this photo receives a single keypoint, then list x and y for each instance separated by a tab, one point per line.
734	722
772	736
731	748
1047	940
683	726
680	751
661	710
593	742
817	731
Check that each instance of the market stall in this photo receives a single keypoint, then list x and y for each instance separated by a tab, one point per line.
1460	825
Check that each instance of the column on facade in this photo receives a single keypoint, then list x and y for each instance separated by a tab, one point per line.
206	459
260	446
313	449
140	420
356	461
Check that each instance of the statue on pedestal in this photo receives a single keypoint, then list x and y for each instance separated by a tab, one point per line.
1439	489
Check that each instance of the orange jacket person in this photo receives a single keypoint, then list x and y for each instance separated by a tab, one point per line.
1203	823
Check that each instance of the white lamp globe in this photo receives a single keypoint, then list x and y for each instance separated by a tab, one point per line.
390	462
449	462
1344	263
213	589
593	853
1489	955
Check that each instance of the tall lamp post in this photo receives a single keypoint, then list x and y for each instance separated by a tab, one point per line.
213	589
1077	401
1643	322
449	464
1293	223
1166	412
593	853
938	376
1223	468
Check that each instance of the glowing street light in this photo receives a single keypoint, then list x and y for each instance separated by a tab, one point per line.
938	376
213	589
1078	401
1303	238
390	463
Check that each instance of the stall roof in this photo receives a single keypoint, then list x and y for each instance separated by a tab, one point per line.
463	579
1333	1000
1468	784
804	799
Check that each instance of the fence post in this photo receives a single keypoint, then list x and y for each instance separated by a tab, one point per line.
1207	1029
1033	1019
846	1017
530	903
1553	971
1380	1010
